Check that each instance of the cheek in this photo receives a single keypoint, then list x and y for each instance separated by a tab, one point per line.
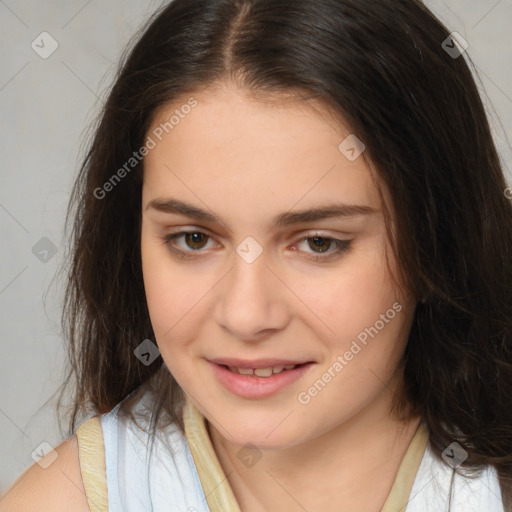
171	294
371	319
173	299
355	296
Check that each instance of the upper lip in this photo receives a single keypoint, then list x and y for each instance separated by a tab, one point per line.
255	363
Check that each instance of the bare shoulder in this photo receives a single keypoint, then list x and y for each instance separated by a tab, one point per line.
58	488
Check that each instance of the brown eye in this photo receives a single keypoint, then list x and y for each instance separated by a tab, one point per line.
190	243
317	245
321	243
195	240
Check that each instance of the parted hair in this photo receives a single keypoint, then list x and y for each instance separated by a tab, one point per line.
383	67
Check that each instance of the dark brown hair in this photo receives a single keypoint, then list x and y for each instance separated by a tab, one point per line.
383	67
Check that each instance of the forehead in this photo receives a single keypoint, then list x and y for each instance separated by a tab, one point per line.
235	145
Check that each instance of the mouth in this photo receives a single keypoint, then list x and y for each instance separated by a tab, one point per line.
258	379
265	372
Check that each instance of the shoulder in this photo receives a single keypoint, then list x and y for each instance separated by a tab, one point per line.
100	446
57	488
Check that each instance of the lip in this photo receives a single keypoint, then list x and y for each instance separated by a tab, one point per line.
255	363
249	386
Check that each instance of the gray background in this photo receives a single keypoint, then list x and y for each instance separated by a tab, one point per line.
46	106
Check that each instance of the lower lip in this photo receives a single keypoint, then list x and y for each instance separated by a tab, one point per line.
249	386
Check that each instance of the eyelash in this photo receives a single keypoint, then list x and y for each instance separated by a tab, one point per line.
340	246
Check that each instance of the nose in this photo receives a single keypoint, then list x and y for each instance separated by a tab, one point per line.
252	301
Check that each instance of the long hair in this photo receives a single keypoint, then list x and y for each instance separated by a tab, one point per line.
384	67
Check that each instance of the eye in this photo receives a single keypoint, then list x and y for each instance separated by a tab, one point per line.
194	240
324	244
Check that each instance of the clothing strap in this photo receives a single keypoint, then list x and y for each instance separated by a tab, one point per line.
214	482
91	450
399	495
220	495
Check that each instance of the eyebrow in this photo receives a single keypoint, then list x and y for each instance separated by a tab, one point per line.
331	210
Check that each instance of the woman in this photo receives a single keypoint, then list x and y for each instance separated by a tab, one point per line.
300	207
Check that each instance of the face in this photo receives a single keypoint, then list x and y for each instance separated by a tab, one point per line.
238	274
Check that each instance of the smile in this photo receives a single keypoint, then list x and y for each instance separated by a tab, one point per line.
262	372
260	382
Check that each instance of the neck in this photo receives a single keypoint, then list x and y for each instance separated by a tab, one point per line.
354	463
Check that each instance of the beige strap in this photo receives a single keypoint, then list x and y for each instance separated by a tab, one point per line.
400	492
214	482
91	451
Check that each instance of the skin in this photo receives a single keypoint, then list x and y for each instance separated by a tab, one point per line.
248	161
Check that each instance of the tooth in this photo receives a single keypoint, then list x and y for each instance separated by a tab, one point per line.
244	371
277	369
263	372
289	366
233	369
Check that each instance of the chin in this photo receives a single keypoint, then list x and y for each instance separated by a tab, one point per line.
263	434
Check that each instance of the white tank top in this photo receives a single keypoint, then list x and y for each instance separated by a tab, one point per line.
171	477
